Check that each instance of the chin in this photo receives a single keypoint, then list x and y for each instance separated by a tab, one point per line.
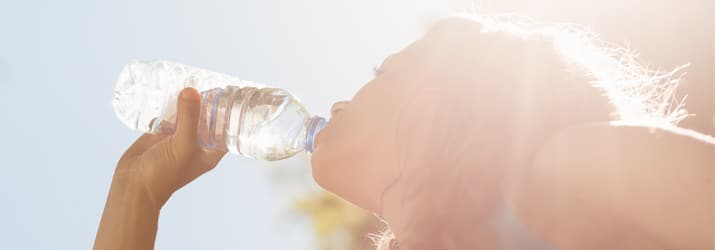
326	172
315	157
318	167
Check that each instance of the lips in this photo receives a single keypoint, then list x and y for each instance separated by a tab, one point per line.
321	134
319	137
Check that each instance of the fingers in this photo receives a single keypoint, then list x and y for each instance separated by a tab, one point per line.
211	158
189	110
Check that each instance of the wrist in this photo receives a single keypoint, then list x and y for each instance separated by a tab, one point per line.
130	218
136	193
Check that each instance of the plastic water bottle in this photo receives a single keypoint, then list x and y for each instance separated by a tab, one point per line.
238	116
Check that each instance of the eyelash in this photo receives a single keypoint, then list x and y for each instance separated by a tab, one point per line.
376	71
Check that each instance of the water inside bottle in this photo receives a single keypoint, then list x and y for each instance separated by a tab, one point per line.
255	121
273	126
267	123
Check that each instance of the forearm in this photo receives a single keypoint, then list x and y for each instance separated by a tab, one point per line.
129	220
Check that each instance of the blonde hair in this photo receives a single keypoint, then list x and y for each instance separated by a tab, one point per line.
639	94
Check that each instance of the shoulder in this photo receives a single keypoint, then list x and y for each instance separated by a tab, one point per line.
624	139
656	180
618	151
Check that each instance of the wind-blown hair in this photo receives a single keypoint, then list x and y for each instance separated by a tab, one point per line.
637	94
640	94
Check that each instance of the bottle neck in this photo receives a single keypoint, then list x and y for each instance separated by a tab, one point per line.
222	123
315	125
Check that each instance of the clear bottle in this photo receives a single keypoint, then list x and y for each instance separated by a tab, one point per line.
238	116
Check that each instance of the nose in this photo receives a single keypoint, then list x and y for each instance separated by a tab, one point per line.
337	107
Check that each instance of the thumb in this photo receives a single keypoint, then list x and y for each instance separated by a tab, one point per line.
189	111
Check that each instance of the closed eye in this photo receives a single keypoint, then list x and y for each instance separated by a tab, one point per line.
376	70
338	107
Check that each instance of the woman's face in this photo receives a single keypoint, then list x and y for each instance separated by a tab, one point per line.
453	84
370	139
355	155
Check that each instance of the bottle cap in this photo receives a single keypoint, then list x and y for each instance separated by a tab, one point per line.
315	125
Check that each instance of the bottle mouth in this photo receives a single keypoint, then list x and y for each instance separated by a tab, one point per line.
315	125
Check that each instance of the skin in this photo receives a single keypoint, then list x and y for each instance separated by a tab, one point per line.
618	171
148	173
621	187
381	148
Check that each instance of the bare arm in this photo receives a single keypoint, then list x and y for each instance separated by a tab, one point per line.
129	220
148	173
605	187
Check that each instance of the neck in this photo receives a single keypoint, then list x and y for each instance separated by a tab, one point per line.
441	214
395	213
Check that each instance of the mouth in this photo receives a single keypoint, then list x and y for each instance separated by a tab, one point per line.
319	137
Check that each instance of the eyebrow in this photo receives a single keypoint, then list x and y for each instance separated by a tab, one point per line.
378	70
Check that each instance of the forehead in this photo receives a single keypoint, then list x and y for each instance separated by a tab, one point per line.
445	40
426	62
405	56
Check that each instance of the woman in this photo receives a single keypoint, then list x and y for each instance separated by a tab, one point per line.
486	133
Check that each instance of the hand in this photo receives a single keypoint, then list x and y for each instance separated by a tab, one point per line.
158	165
148	173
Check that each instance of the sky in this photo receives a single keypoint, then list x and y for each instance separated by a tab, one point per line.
59	61
61	140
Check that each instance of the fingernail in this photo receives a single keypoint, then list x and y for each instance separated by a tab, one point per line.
189	95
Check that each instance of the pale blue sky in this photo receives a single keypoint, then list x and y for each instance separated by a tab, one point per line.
60	139
58	65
